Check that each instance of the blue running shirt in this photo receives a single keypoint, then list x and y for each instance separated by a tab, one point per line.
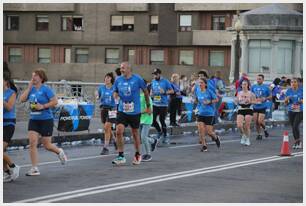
158	98
260	91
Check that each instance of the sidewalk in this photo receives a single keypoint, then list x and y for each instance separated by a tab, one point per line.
96	132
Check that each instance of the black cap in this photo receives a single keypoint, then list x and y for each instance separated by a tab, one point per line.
156	71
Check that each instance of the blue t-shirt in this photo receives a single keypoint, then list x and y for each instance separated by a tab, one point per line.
261	91
205	109
8	114
294	97
106	96
276	90
158	98
210	86
129	93
42	96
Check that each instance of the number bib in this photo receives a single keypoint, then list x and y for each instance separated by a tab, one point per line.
112	114
157	98
128	107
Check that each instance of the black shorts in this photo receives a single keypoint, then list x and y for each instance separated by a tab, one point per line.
105	116
132	120
245	112
208	120
262	111
43	127
8	132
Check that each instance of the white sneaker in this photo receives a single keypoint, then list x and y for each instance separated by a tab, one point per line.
242	141
247	141
6	177
33	172
299	145
62	157
15	172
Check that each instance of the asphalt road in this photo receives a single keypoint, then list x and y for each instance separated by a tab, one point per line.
177	173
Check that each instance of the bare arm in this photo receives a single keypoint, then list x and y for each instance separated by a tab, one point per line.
10	104
25	94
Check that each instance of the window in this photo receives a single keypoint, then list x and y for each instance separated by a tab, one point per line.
122	23
81	56
284	57
12	22
15	55
153	23
185	22
67	55
157	57
72	23
259	56
218	23
112	56
44	55
216	59
131	56
42	23
186	57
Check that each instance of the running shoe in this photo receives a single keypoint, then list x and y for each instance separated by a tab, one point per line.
33	172
217	140
104	151
119	160
242	141
137	160
247	141
15	172
7	177
146	158
62	157
259	137
166	140
204	148
266	133
294	146
153	145
299	145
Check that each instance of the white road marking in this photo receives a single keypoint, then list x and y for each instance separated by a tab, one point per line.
145	181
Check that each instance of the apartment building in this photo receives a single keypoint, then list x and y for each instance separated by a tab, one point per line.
82	42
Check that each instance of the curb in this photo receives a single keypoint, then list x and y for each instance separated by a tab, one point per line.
190	128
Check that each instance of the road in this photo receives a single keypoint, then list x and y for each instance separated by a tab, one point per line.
178	173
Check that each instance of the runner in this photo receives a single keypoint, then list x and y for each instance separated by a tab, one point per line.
205	99
160	87
10	170
41	99
294	100
128	86
245	98
148	144
108	109
262	93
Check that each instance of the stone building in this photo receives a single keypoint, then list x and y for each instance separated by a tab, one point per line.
81	42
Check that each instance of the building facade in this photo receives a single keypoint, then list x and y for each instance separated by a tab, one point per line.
82	42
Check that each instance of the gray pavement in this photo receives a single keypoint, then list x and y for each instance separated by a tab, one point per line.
178	173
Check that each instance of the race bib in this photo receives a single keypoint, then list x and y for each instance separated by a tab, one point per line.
157	98
112	114
128	107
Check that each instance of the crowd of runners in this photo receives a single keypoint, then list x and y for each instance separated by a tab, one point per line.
127	100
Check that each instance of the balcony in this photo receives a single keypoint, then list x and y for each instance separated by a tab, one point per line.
211	37
132	7
38	7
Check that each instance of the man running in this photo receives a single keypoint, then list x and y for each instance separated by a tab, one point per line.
127	87
262	94
160	87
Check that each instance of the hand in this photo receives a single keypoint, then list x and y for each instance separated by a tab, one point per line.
39	106
30	83
206	102
161	91
148	110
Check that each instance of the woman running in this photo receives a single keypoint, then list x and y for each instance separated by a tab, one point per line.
108	109
10	170
41	99
294	100
245	98
205	99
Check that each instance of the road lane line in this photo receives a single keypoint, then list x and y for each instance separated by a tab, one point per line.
151	178
161	180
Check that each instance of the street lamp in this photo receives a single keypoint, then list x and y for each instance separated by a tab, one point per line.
238	27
